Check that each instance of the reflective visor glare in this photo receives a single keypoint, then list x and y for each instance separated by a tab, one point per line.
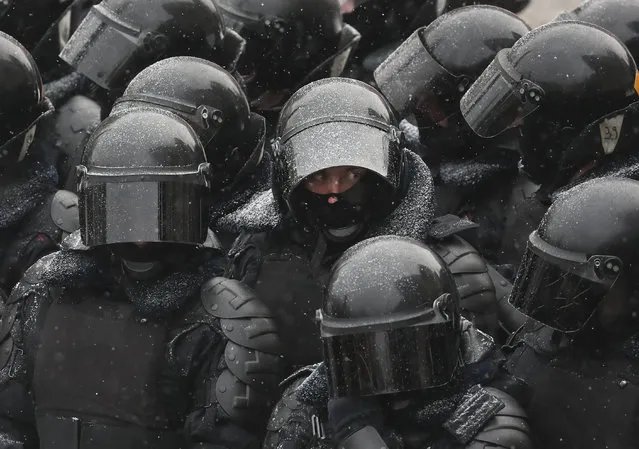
390	361
553	296
494	103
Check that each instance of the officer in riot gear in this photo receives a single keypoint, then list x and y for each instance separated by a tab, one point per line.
384	24
620	17
28	174
577	286
119	38
424	80
340	175
141	283
288	44
211	100
401	367
567	88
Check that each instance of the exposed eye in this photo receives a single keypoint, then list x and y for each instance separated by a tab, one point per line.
317	177
356	174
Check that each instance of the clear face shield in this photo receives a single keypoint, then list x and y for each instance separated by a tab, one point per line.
500	98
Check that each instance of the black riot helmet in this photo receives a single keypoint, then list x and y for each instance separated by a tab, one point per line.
583	254
22	100
118	38
212	102
143	178
337	122
390	321
552	83
289	43
437	63
515	6
620	17
430	72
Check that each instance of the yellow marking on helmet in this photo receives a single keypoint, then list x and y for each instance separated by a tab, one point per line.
637	83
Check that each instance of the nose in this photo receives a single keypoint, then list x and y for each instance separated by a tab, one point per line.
334	185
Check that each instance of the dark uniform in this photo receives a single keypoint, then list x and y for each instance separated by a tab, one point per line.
28	166
578	350
424	79
288	246
401	369
133	340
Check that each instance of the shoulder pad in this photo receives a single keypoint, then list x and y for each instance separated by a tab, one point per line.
460	256
448	225
284	408
470	272
507	429
254	333
64	211
477	407
230	299
260	370
241	401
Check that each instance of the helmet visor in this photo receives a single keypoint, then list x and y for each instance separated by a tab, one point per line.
391	361
381	356
411	75
102	47
142	211
562	289
499	99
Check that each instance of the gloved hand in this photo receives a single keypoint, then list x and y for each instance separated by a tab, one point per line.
350	414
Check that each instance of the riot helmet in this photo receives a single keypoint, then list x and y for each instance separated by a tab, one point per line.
582	255
390	321
289	43
329	124
552	83
22	100
620	17
143	179
515	6
213	103
118	38
430	72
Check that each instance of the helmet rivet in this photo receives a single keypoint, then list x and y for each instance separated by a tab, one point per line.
205	113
